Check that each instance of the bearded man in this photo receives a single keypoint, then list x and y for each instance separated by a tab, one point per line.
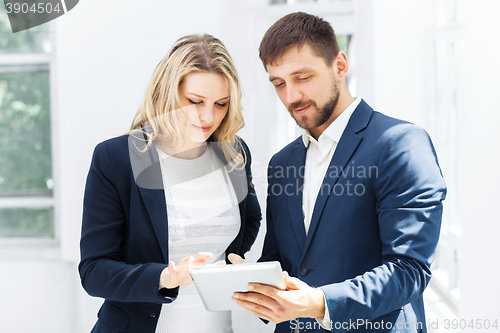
354	204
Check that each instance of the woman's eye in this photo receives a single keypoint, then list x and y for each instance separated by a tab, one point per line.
191	101
221	104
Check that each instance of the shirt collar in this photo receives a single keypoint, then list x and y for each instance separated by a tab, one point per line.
337	127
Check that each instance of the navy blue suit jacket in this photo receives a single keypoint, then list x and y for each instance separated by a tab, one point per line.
374	228
124	242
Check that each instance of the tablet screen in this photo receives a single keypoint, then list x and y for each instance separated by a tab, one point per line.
216	284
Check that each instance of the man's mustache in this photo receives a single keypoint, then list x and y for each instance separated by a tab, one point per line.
300	105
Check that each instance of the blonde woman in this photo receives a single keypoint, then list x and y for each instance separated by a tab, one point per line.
175	191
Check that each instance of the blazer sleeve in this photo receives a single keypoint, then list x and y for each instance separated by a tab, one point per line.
270	250
409	191
102	269
253	214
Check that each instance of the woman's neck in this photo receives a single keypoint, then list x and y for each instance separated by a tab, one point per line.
184	150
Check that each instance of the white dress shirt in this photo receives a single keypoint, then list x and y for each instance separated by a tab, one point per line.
318	156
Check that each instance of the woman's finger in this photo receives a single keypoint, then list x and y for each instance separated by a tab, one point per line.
203	256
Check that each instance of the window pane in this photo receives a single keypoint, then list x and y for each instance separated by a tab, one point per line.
344	43
25	150
25	222
34	40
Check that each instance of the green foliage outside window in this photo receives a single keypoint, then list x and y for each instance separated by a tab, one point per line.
25	151
25	132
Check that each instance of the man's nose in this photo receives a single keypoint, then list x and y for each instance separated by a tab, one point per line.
293	95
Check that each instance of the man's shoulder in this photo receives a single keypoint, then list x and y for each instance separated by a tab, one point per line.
282	156
382	120
387	127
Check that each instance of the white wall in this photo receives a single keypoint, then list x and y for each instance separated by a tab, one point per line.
398	59
478	196
403	69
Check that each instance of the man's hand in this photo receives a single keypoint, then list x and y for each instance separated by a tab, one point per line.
298	301
174	276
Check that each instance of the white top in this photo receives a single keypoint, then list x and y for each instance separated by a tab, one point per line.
318	157
203	216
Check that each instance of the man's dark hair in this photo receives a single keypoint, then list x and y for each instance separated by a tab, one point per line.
299	29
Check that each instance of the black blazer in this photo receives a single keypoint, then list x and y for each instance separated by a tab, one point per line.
124	241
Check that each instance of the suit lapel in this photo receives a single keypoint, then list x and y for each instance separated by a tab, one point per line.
297	161
154	201
237	176
346	147
148	178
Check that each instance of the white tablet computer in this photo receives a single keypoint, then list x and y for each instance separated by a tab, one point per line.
216	284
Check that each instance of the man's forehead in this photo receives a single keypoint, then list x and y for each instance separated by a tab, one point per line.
294	61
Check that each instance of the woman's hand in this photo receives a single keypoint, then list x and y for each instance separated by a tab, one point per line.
174	276
236	259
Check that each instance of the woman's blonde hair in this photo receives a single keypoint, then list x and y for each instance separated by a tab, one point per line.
189	54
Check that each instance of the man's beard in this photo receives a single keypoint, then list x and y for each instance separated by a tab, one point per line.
324	112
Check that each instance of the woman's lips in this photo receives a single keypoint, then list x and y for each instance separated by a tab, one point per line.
203	128
301	110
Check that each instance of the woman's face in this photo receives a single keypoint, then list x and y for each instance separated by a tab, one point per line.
205	98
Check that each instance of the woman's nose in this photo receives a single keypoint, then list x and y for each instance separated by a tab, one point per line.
206	115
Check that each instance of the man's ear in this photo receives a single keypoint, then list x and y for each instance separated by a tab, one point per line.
340	66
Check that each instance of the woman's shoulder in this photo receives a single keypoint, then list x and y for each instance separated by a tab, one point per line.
240	142
118	142
115	149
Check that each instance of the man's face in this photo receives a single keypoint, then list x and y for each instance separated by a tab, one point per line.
306	86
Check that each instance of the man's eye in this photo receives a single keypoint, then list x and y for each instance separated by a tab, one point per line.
304	78
279	84
193	102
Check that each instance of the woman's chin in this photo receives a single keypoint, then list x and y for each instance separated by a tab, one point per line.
198	140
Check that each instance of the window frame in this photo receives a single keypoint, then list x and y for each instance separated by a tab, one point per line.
443	117
37	246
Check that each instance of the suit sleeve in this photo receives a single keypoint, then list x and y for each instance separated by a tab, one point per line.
102	270
409	191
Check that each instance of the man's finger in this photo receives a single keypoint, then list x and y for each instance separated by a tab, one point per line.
236	259
260	305
250	307
263	289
